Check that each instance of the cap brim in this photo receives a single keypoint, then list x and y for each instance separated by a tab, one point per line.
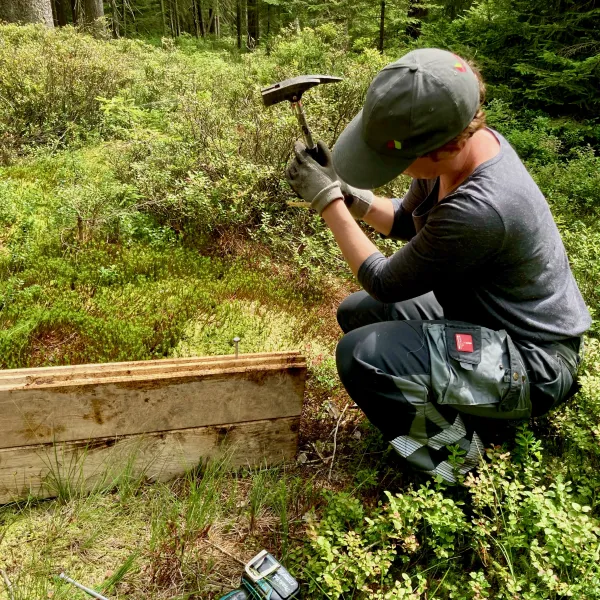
359	165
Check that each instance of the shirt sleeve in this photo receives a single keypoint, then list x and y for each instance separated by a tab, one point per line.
460	235
403	227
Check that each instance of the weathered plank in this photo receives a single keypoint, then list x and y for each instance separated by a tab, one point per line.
41	375
39	470
143	397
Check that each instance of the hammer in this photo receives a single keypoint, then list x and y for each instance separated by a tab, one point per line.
292	90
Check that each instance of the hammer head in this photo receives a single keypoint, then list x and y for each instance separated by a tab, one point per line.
292	89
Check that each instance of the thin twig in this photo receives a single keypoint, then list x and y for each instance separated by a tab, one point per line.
319	454
337	426
8	584
225	552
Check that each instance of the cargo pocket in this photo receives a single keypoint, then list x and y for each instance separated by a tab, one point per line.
477	370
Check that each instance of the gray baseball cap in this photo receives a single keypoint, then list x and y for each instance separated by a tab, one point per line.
413	106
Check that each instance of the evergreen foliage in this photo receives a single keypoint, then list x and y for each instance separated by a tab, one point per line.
538	54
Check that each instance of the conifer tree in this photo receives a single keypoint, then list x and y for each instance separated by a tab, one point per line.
253	23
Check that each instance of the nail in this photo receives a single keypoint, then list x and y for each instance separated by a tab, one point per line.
236	341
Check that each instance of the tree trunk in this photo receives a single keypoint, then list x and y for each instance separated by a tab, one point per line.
92	13
61	12
238	23
62	9
268	20
54	17
200	18
116	25
195	23
67	9
171	22
217	19
27	11
382	26
163	14
177	22
253	27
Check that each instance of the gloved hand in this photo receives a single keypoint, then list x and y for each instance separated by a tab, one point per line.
358	201
308	179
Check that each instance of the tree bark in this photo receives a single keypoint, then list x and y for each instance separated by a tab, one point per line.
217	27
27	11
200	18
89	13
116	23
92	10
195	23
163	14
268	20
238	23
382	26
171	22
253	26
177	21
54	17
61	12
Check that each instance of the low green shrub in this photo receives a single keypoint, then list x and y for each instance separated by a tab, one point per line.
573	187
525	525
517	532
51	81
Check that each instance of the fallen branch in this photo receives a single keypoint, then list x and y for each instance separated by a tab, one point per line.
323	458
337	426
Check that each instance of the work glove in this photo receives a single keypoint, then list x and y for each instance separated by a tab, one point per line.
310	181
358	201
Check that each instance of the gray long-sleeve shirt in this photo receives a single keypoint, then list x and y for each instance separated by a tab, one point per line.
490	251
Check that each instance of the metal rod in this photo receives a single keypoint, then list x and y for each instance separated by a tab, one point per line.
299	112
8	584
87	590
236	341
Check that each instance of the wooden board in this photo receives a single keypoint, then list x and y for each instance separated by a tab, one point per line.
84	426
31	375
159	456
102	401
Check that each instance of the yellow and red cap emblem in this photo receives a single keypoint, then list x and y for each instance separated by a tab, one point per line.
459	65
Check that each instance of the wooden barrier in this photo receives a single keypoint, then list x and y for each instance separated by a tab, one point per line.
83	425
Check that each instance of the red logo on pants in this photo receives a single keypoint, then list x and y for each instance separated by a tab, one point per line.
464	342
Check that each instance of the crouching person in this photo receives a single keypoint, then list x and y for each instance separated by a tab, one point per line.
477	320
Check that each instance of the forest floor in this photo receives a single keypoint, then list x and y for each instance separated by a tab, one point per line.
188	538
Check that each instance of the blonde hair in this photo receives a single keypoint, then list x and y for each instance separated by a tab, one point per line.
456	143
